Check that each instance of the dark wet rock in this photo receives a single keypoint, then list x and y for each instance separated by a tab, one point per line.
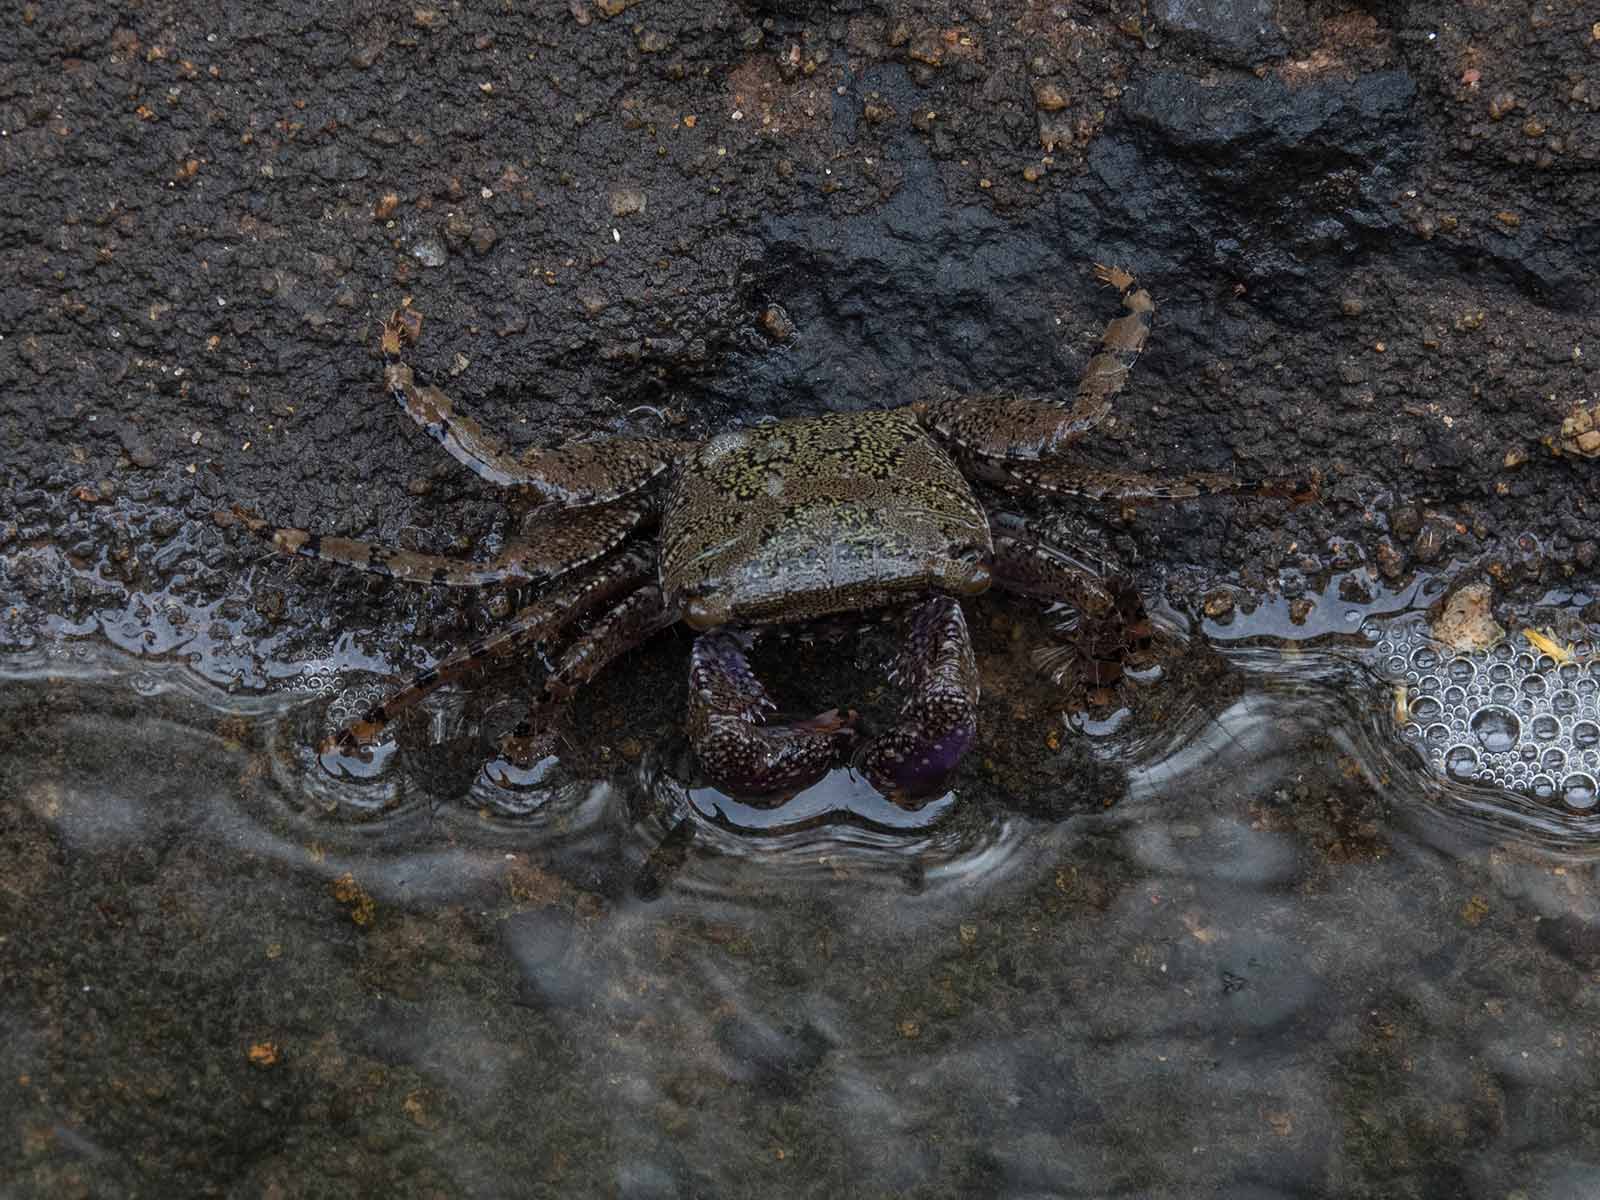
1242	33
1266	179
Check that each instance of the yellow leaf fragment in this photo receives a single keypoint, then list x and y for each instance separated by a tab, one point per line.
1545	643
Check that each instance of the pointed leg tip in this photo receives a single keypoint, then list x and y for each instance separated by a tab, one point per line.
247	518
1117	277
403	325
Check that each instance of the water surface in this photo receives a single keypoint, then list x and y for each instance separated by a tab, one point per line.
1288	957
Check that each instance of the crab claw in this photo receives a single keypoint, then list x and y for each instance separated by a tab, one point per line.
939	720
739	752
908	765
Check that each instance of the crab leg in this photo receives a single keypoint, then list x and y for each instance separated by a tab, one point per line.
537	623
1017	442
939	721
1112	622
1027	561
1064	479
580	474
741	755
552	545
631	622
1029	429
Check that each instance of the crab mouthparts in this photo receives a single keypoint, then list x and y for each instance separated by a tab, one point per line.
703	613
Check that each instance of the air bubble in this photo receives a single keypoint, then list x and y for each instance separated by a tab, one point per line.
1578	791
1509	715
1461	762
1496	730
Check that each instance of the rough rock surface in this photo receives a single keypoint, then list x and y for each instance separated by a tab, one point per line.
1374	253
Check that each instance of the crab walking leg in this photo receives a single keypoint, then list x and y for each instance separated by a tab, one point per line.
537	623
631	622
939	721
550	547
1027	560
1112	622
580	474
1029	428
1064	479
741	755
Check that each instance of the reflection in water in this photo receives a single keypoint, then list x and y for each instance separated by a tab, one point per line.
1294	951
1333	690
841	795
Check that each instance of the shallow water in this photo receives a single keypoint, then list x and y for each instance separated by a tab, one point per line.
1292	958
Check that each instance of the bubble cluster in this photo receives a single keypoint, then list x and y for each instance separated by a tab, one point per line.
1511	717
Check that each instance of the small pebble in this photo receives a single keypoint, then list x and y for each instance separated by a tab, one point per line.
1429	543
1219	604
1390	561
1049	98
1405	520
429	252
626	201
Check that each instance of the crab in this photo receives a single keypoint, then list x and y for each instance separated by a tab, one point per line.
777	525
